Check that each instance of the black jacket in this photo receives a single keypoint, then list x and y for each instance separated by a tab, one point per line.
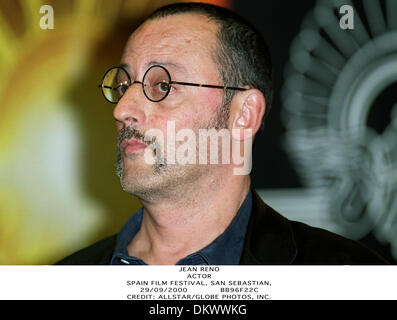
271	239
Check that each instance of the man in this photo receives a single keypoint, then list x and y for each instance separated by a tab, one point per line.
194	67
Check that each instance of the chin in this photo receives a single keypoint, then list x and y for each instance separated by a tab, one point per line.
144	189
143	180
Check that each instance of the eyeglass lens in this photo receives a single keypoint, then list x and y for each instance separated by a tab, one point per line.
115	83
156	83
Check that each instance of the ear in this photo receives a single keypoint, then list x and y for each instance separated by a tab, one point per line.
246	112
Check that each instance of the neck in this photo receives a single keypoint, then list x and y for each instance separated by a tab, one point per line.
175	227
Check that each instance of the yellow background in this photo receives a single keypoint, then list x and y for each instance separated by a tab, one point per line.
58	188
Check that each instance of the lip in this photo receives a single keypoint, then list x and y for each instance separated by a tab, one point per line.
132	145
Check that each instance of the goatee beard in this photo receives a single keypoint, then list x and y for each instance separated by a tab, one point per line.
130	132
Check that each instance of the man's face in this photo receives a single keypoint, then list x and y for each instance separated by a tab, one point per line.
184	44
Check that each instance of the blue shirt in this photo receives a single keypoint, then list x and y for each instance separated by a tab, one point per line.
224	250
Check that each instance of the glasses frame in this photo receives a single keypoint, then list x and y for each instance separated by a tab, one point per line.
170	82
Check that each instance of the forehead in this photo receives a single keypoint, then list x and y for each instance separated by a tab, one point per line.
181	39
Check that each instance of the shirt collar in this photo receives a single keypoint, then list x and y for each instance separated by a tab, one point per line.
224	250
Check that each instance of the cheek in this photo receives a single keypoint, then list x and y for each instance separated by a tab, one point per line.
206	104
156	119
179	116
198	111
175	119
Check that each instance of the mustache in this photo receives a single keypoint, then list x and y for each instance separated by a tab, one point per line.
131	132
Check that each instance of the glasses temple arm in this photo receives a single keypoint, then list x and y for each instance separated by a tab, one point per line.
207	85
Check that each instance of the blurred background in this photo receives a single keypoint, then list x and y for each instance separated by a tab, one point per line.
327	157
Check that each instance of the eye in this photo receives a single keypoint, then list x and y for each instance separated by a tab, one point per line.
163	86
121	89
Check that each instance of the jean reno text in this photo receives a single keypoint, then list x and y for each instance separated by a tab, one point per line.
199	268
210	309
191	269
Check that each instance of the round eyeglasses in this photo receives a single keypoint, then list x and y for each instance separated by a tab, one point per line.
156	84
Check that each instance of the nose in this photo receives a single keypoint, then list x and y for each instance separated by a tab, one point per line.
129	110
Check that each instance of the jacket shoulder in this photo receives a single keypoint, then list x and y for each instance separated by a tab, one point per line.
319	246
98	253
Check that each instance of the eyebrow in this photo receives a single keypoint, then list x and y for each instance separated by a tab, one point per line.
125	66
177	67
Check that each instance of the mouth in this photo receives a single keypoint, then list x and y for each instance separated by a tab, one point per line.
132	146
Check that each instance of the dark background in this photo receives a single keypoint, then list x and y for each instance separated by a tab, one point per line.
280	21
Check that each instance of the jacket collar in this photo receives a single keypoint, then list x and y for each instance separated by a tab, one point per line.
269	238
